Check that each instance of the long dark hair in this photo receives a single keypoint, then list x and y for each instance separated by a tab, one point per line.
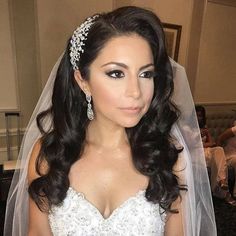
201	121
153	151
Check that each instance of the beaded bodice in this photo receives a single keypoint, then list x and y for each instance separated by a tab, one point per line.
77	216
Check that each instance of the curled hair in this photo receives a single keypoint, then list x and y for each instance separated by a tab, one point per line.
153	151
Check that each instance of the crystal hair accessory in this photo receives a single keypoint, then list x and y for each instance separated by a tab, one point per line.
77	40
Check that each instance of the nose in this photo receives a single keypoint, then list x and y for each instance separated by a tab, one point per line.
133	88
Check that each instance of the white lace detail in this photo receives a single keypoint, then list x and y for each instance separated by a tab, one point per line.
77	216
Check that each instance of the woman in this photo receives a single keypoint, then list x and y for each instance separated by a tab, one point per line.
111	159
215	160
227	139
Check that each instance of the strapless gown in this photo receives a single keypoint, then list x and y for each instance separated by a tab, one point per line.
76	216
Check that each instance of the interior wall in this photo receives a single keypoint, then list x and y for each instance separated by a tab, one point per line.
18	58
176	12
23	21
121	3
19	80
216	78
194	42
8	88
42	27
40	30
56	22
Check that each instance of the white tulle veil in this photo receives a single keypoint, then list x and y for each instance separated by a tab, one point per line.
198	213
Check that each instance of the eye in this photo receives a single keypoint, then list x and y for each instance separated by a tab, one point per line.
147	74
116	74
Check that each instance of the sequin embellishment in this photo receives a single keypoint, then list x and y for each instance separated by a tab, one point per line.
78	217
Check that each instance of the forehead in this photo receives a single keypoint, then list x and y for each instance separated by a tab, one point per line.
126	48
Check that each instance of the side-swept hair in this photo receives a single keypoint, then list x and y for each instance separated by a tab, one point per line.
153	151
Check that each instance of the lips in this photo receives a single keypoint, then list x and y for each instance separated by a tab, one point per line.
131	110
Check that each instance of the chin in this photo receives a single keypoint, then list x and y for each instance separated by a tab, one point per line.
130	124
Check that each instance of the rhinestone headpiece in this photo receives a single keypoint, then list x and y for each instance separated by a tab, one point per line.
77	41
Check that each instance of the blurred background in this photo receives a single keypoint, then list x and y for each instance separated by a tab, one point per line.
33	35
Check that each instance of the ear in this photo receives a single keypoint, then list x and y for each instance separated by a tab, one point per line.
83	84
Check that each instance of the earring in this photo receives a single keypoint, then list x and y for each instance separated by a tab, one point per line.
90	113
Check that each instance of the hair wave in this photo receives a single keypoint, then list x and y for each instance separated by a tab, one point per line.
153	151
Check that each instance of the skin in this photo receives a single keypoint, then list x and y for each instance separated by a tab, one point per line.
228	133
121	86
118	80
209	140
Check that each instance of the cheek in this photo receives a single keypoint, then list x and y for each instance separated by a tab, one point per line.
147	92
104	96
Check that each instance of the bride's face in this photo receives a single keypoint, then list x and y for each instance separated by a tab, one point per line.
121	80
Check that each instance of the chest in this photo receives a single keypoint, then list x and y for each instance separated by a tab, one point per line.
107	182
106	171
77	216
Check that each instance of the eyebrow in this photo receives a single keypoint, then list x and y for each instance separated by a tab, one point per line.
125	66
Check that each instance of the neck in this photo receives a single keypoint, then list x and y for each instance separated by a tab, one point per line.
106	135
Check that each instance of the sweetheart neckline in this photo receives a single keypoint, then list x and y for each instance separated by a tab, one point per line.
123	204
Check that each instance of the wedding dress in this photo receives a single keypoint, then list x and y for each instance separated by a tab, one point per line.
78	217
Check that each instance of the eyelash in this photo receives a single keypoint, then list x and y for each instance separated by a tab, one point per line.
115	74
118	74
148	74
